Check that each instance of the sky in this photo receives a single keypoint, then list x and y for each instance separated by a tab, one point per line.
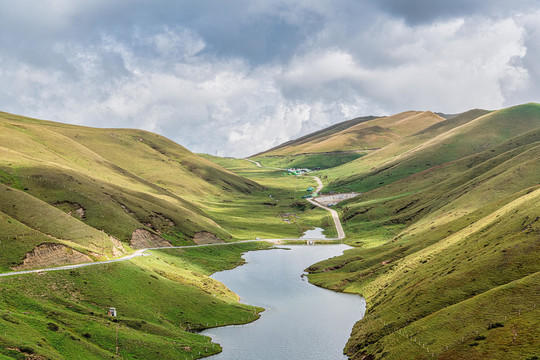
233	78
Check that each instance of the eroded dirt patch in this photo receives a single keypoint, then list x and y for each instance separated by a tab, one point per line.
205	237
117	247
52	254
141	238
72	208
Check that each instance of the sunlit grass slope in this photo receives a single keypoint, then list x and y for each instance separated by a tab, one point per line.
448	253
162	300
315	137
91	189
368	134
472	137
276	212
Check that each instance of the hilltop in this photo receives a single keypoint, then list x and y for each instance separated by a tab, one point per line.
348	140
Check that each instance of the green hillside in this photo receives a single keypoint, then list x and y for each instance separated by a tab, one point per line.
72	193
474	136
162	300
448	236
361	134
316	136
347	141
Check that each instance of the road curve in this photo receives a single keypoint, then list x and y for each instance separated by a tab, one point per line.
335	215
141	252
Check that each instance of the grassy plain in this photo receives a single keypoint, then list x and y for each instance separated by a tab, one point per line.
278	211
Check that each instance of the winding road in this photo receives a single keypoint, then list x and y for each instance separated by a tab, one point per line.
141	252
335	215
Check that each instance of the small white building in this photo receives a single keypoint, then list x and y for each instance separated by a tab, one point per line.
112	312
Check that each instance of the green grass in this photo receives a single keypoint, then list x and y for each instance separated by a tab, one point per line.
310	161
161	299
445	235
449	250
461	140
262	213
125	180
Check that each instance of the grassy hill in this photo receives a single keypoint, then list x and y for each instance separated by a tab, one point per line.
88	193
71	194
446	235
448	238
366	133
347	141
163	301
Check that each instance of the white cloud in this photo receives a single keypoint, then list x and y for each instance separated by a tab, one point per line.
353	61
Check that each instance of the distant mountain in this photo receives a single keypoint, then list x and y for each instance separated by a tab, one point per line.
71	193
365	133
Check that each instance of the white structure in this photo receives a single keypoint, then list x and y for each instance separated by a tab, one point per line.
334	199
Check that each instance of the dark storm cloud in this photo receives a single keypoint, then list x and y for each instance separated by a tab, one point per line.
424	11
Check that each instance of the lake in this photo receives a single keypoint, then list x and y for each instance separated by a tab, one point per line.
301	321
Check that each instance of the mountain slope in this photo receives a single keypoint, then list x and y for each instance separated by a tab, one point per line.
449	236
472	137
75	193
359	134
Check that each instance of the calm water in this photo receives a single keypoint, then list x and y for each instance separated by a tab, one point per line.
301	321
316	233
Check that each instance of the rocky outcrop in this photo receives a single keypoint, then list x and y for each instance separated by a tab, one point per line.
52	254
141	239
205	237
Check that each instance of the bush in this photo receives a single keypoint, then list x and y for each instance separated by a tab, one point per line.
480	337
495	325
87	335
52	326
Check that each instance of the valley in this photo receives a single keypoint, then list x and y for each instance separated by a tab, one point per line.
445	233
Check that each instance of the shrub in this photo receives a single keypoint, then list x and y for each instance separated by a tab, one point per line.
52	326
495	325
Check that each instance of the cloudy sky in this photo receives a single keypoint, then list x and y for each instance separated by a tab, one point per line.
238	77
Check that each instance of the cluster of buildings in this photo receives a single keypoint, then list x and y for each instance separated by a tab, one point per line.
293	171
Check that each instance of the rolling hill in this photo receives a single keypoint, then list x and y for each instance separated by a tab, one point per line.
359	134
447	232
72	194
347	141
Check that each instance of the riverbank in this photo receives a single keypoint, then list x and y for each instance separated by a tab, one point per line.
300	321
